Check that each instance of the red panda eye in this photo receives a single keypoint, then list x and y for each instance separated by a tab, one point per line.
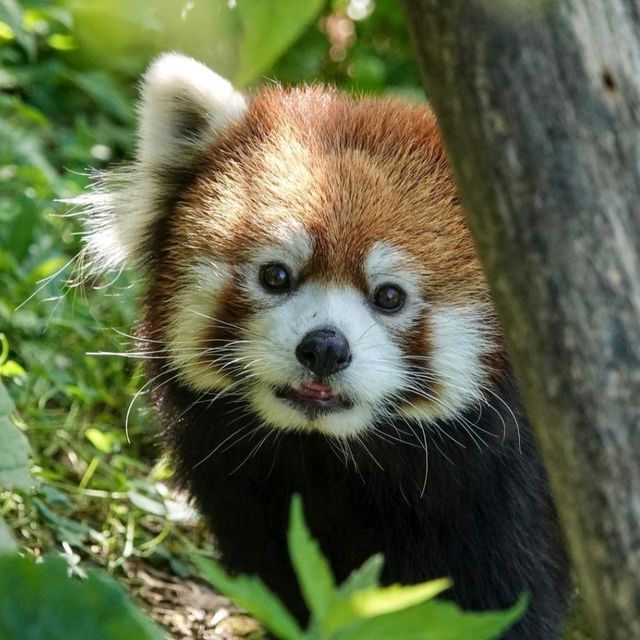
275	277
388	297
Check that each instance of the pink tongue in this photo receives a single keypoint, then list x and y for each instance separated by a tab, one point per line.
315	390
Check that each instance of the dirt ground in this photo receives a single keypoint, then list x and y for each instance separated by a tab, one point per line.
189	609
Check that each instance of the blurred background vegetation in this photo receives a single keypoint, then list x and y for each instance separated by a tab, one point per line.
68	85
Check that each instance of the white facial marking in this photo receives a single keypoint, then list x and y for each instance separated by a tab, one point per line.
193	313
386	264
459	339
293	250
375	370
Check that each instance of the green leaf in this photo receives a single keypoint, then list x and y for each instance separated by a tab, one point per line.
434	620
377	602
104	90
14	449
252	594
12	369
7	543
149	505
312	569
268	28
366	577
11	14
65	529
40	601
104	441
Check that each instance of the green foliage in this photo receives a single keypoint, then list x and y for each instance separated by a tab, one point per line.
317	583
252	594
40	601
249	36
359	609
265	30
14	448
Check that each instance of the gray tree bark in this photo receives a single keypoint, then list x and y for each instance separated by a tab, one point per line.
539	105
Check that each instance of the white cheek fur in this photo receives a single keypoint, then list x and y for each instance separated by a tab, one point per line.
460	340
193	312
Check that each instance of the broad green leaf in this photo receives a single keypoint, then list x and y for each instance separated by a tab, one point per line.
365	577
385	600
312	569
14	449
434	620
61	42
7	543
39	601
268	29
238	39
252	594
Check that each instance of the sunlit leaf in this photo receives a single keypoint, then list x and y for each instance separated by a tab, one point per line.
11	14
381	601
434	620
252	594
105	441
312	569
61	41
365	577
6	32
11	369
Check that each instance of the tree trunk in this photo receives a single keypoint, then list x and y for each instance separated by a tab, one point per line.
539	105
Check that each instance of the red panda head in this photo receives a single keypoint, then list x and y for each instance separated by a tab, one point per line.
304	251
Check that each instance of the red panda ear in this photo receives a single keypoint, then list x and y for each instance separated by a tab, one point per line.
184	107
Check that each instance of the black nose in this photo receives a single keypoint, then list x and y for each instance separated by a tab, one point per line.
324	351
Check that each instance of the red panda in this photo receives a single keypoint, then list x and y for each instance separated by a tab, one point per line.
316	321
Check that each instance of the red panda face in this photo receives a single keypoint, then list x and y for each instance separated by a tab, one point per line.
306	251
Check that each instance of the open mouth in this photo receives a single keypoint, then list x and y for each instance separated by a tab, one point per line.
313	398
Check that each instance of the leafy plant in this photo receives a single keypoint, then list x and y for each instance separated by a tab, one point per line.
14	448
358	609
40	601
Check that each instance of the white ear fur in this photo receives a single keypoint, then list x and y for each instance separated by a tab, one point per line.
184	107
